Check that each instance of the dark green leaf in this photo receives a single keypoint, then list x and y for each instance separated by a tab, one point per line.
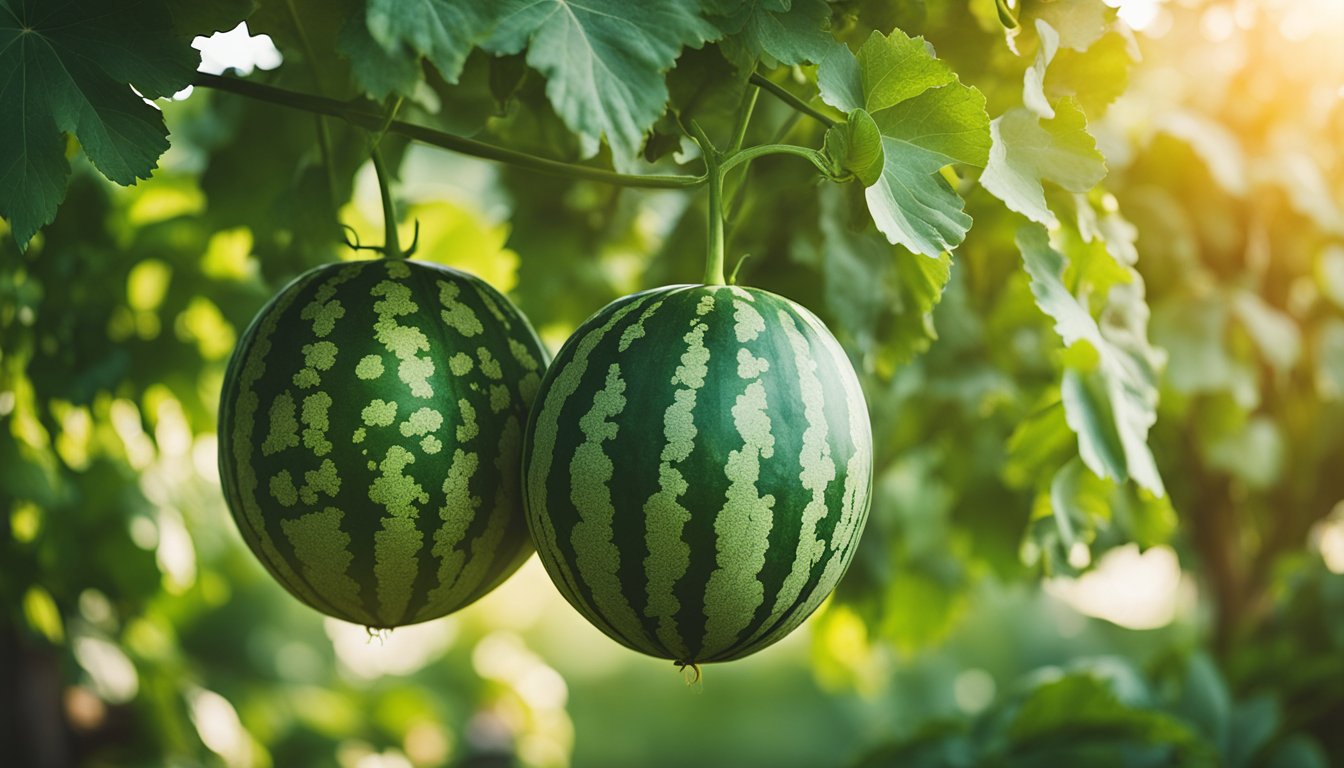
203	17
443	31
603	61
783	31
70	68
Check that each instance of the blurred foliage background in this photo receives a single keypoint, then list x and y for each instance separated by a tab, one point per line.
1001	611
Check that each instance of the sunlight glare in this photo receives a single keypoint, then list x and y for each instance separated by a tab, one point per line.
1135	590
236	49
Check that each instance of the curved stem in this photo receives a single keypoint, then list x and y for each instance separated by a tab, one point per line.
359	115
391	241
751	153
783	95
744	117
714	171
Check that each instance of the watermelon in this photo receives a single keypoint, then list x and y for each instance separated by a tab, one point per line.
370	429
697	470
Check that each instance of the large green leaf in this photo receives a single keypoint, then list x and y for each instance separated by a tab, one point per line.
927	120
1029	151
443	31
783	31
603	60
70	68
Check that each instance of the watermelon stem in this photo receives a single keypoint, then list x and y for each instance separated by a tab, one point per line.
391	242
714	172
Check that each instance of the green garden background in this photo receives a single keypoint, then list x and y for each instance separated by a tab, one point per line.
1000	611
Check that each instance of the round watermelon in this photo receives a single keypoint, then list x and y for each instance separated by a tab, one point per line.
697	470
370	428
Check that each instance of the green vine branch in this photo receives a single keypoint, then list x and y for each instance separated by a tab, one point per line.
751	153
359	115
779	92
717	162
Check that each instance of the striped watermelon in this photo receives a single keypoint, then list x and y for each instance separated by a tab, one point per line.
370	428
697	470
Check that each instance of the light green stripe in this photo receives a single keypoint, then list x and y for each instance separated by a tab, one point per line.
664	516
858	470
491	305
742	528
243	424
485	552
457	514
323	549
818	470
636	330
748	323
590	472
543	445
395	547
858	481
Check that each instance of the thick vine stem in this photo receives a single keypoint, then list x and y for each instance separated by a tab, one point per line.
714	170
358	115
783	95
751	153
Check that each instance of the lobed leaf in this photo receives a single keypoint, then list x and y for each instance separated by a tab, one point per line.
1028	152
927	120
603	60
781	31
70	69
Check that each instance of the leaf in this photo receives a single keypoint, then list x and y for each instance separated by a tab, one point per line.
1033	85
1080	23
905	287
704	87
855	146
443	31
70	69
786	31
1028	152
1039	444
1096	77
927	119
309	32
1109	387
603	60
885	72
203	17
376	71
1079	714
